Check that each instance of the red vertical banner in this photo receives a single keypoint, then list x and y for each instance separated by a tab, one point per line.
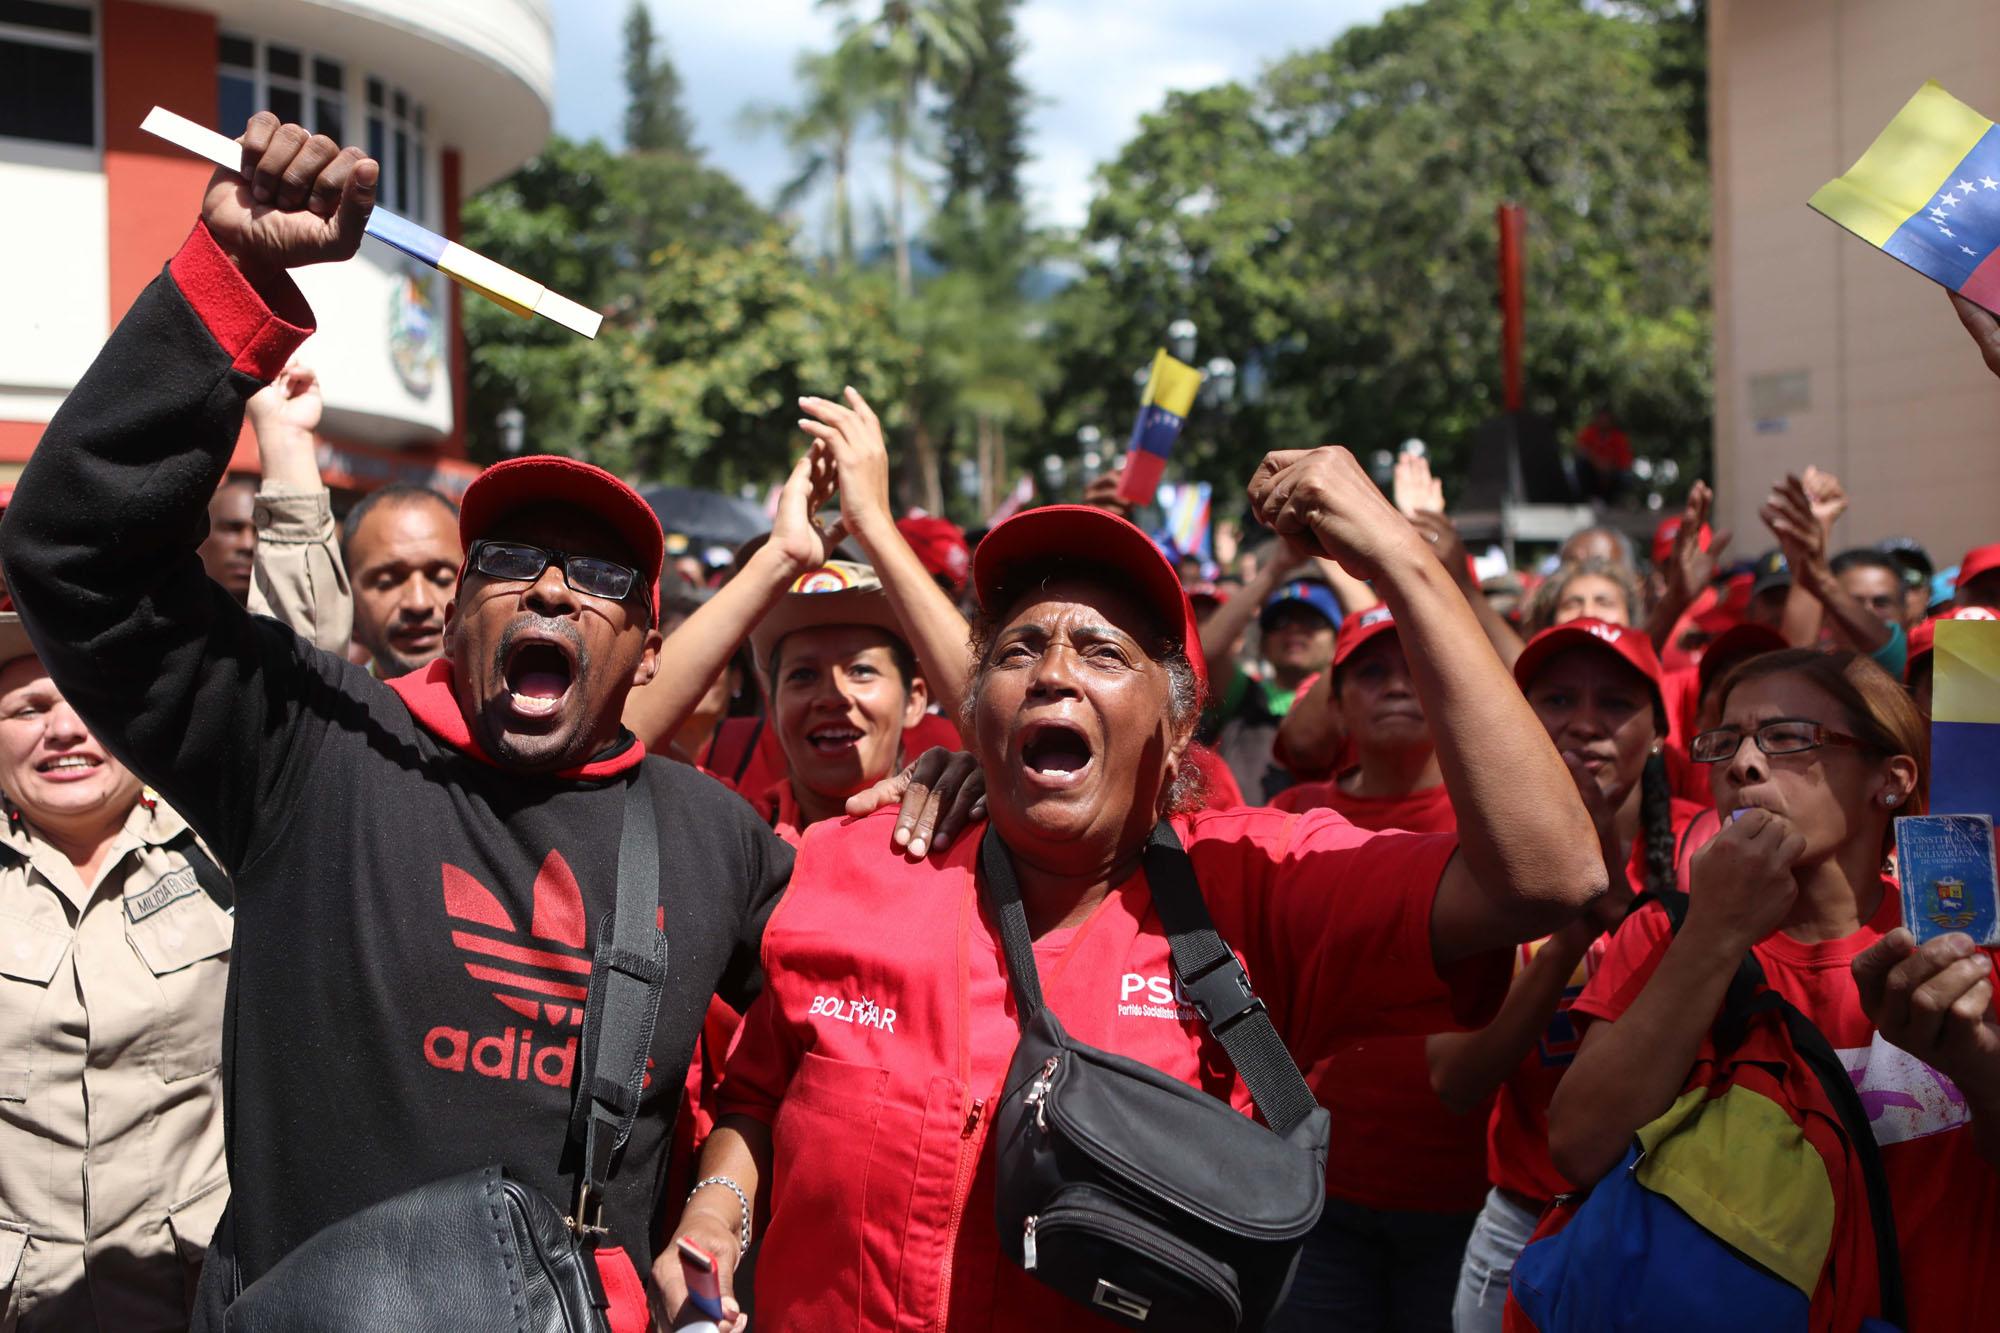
1512	220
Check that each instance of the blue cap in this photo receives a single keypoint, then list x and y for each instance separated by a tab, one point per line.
1306	592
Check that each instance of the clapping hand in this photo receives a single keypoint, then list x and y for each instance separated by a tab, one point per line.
850	434
1415	489
797	534
1691	569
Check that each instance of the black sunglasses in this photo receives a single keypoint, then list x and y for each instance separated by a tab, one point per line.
518	562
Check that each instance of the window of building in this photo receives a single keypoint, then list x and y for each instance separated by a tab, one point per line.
294	84
49	53
396	139
304	86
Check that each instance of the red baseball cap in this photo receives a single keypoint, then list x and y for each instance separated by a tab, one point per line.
1022	549
1668	532
1359	629
940	546
1629	643
539	479
1979	560
1735	644
1923	639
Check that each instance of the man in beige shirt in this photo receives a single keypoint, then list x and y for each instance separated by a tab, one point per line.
114	954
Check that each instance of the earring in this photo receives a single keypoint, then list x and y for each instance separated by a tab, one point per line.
1892	798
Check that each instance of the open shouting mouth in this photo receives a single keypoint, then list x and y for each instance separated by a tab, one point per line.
1056	754
834	739
539	672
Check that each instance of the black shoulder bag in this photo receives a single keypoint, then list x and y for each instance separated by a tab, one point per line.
1148	1201
482	1250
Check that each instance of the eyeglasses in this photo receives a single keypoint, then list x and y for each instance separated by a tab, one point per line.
1783	735
518	562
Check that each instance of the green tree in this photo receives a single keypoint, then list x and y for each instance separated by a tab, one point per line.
840	88
915	44
984	116
1331	230
655	120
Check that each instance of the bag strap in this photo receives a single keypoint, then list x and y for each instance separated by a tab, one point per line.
628	971
206	872
1749	995
1210	976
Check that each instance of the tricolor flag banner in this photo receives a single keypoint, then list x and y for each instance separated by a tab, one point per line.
1170	391
496	282
1965	718
1187	518
1928	192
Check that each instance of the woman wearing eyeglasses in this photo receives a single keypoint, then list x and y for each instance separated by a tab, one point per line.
1815	755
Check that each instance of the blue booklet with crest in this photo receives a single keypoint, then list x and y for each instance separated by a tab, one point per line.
1946	868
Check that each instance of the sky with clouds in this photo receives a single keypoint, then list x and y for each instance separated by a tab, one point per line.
1094	66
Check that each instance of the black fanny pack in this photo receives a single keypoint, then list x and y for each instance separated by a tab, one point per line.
1150	1202
480	1249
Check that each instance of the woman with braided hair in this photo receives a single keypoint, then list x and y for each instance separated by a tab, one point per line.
1596	688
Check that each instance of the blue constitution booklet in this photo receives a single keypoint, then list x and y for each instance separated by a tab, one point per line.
1945	865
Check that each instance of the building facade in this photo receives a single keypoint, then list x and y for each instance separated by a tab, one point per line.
448	94
1826	350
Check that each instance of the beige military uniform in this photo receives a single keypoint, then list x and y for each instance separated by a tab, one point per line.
298	576
111	1163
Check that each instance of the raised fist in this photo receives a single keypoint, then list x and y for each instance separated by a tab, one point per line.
1323	500
299	199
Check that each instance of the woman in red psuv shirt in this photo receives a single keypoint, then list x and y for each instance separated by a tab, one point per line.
1815	755
861	1089
1596	688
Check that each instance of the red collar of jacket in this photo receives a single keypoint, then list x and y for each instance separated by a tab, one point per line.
428	694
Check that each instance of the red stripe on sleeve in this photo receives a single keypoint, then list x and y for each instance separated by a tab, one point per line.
259	341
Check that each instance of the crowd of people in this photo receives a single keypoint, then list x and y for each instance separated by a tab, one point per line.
1544	884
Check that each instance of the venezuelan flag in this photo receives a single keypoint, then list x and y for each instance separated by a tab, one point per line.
1928	192
1965	718
1170	391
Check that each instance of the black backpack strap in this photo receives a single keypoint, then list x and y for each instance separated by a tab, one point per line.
1211	978
1218	987
206	872
1747	997
628	971
1003	894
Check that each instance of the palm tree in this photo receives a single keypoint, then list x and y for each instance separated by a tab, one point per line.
841	87
912	43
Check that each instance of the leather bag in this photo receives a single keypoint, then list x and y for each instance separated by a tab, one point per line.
1148	1201
481	1250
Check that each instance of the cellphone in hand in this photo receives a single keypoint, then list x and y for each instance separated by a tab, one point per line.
698	1270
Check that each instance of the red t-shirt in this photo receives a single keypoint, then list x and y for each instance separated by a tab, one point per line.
1517	1140
1395	1146
1946	1198
886	1026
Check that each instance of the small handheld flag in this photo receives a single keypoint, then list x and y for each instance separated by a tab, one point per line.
1170	391
1965	718
1928	192
496	282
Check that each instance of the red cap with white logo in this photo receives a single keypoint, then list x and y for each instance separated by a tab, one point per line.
1629	644
1923	639
1357	630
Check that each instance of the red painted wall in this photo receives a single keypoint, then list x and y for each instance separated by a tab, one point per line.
154	55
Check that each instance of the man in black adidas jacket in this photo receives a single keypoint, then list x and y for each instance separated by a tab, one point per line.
415	864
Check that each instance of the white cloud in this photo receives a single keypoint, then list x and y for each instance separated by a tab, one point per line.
1094	67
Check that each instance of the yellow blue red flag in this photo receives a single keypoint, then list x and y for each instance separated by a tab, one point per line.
1965	718
1170	391
1928	192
